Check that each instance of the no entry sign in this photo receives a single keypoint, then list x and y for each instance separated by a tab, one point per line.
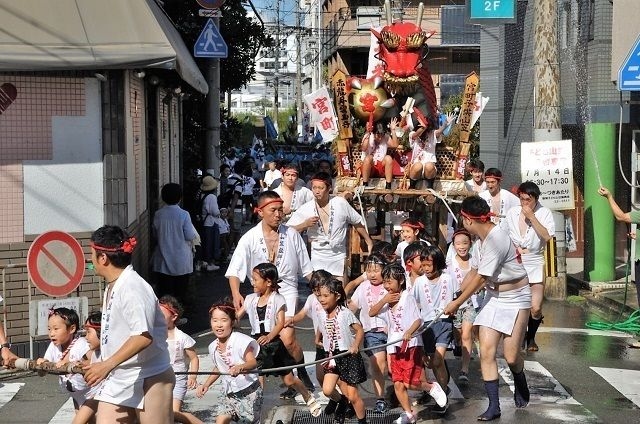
55	263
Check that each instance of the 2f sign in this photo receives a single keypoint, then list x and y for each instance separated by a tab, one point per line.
491	11
491	6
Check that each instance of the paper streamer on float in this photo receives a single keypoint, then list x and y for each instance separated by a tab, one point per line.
481	102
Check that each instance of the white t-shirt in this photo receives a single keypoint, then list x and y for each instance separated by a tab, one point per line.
330	242
234	352
336	333
131	309
365	296
399	319
424	152
78	350
498	259
504	201
176	346
313	309
275	303
433	295
291	261
270	176
530	240
247	186
378	151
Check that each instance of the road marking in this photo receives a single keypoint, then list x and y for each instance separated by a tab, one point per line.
65	414
543	386
8	391
626	382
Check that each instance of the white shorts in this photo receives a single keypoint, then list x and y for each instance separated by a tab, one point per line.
180	388
500	309
333	265
534	265
291	298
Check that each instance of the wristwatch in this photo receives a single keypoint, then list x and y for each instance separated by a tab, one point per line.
7	345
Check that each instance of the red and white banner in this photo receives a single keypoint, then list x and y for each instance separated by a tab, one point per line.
481	102
376	66
322	114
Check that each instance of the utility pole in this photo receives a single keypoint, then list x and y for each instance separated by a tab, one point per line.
213	115
298	75
276	68
547	125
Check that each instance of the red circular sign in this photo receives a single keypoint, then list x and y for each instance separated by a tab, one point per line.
55	263
211	4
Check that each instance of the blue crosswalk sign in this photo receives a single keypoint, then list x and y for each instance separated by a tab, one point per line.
629	72
210	43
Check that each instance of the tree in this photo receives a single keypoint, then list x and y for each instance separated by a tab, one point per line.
244	37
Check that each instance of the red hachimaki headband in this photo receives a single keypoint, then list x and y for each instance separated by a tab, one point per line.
127	246
482	218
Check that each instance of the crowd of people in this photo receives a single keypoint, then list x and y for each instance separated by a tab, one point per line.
412	304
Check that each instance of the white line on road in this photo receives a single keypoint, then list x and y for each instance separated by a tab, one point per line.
8	391
626	382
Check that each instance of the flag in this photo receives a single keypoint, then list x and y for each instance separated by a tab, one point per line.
272	133
322	113
481	102
376	66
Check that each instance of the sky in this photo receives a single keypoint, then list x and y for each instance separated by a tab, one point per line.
287	9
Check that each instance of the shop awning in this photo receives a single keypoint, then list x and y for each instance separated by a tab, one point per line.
50	35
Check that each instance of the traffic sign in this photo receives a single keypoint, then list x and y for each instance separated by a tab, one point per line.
211	4
55	263
629	72
210	43
491	11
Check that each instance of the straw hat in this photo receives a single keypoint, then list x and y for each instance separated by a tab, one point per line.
209	183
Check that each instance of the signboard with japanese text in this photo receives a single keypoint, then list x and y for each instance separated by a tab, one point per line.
464	121
339	86
549	164
39	312
322	114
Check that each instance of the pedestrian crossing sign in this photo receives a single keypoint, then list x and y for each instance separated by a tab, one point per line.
210	43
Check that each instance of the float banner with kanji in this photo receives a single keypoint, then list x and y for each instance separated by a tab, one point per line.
549	165
322	113
339	86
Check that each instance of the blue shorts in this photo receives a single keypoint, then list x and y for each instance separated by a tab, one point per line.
439	334
375	338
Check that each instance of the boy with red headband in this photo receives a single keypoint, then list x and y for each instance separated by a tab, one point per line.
498	199
135	371
271	241
292	194
507	303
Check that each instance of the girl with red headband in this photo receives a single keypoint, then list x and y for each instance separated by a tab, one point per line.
410	230
463	259
181	350
507	303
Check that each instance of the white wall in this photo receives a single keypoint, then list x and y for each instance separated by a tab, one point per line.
66	193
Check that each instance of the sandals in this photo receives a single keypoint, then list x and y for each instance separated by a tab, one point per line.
532	346
314	406
635	345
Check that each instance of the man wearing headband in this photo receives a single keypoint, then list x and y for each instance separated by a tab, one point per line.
506	307
498	199
476	183
292	194
135	373
326	220
272	241
530	226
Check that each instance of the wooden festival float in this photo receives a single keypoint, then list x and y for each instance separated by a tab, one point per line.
401	86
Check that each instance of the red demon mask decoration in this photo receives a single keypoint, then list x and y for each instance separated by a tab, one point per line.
401	50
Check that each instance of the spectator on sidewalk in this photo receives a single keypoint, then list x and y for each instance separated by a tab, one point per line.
632	217
209	213
172	259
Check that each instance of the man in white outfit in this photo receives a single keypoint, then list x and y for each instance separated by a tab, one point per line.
498	199
292	194
327	220
272	241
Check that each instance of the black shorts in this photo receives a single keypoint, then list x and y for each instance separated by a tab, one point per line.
274	355
350	368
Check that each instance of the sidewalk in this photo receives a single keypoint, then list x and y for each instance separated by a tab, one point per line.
615	296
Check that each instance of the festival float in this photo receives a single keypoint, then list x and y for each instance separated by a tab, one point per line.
399	86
